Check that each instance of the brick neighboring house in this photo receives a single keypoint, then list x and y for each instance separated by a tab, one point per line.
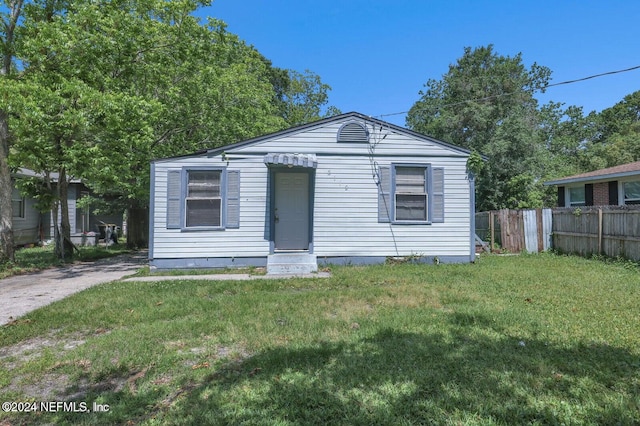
617	186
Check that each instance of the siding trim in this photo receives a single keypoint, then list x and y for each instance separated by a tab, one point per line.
239	262
152	210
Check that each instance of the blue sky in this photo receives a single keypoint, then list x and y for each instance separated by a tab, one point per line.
376	55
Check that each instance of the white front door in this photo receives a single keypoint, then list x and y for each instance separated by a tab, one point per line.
291	211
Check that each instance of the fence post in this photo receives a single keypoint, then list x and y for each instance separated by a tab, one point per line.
539	230
492	231
523	243
599	231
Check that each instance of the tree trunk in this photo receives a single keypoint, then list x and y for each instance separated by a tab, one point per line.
6	191
137	227
64	245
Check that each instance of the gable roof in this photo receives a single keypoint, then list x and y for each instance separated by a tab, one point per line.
320	123
341	117
623	170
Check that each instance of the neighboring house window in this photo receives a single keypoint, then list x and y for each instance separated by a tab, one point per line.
631	192
411	194
17	204
576	196
203	199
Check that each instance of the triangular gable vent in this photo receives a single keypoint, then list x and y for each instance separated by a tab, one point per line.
353	132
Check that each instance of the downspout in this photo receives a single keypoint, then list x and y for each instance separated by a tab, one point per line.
472	217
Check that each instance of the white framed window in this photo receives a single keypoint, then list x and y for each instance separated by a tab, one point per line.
411	194
577	196
203	198
631	192
17	204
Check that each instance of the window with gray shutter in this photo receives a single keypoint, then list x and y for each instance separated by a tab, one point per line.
174	193
203	202
410	194
201	198
384	188
233	199
415	194
437	194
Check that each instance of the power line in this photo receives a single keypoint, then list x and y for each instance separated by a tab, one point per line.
486	98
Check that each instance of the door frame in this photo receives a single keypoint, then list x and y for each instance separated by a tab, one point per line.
271	201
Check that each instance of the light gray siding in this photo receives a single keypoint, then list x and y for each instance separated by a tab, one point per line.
26	230
246	241
345	215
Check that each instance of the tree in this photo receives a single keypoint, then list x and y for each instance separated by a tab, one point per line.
109	86
617	140
120	83
8	24
485	103
304	97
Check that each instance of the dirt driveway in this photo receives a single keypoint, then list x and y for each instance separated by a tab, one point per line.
23	293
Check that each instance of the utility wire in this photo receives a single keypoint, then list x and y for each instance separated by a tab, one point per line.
513	93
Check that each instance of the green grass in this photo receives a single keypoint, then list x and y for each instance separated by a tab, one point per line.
539	339
37	258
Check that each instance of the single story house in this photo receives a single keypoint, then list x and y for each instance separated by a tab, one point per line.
349	189
30	226
619	185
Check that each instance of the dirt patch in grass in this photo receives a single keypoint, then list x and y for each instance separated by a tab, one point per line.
52	384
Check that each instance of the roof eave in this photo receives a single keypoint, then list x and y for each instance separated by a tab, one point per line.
592	178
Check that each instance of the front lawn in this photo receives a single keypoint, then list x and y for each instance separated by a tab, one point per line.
538	339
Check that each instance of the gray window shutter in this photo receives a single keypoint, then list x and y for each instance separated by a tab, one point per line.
384	190
437	196
174	199
613	193
233	198
588	194
561	197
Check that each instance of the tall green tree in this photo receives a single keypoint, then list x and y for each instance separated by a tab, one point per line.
304	97
617	140
565	133
9	19
120	83
485	103
109	86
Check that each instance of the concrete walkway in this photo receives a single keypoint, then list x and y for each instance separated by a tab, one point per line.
21	294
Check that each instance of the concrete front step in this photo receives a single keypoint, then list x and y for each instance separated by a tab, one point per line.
291	264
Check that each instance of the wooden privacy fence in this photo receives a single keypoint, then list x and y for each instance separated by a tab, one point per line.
515	230
608	230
